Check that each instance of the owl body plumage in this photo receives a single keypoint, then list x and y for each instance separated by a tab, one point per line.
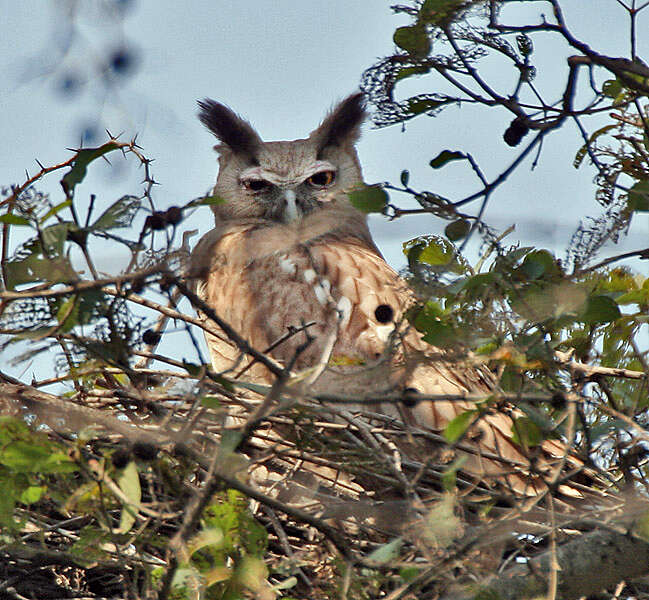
289	249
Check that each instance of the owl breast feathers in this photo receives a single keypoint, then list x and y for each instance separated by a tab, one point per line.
289	250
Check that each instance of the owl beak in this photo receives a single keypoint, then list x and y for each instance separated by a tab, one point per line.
291	212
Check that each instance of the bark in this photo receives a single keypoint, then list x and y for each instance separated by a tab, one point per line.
595	561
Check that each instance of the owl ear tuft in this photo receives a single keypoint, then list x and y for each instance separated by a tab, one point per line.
342	126
236	133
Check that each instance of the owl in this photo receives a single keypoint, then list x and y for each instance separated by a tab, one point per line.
292	267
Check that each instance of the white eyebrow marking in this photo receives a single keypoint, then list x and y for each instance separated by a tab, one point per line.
291	206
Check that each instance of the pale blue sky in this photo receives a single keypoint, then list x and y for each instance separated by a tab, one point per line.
282	64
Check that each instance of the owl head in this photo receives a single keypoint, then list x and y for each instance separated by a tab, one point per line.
284	181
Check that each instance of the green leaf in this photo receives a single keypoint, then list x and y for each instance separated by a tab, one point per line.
413	39
581	153
32	494
55	209
538	263
387	552
79	167
600	309
612	88
446	156
410	71
449	476
207	201
455	429
369	199
128	481
439	12
437	252
526	432
192	368
457	230
210	536
67	313
639	196
405	178
424	318
416	106
12	219
119	214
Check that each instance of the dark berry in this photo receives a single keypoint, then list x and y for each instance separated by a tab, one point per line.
384	313
120	458
409	397
137	285
145	451
558	401
151	337
515	132
156	221
174	215
166	283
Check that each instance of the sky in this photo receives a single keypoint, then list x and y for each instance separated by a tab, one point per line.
282	65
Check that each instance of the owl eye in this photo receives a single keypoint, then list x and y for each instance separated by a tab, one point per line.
321	179
255	185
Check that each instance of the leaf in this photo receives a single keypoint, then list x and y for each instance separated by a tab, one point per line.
457	230
455	429
79	167
436	253
405	178
55	209
446	156
67	313
413	39
439	12
192	368
600	309
424	318
211	536
526	432
581	153
119	214
128	481
32	494
449	476
12	219
207	201
537	264
369	199
406	72
387	552
416	106
639	196
612	88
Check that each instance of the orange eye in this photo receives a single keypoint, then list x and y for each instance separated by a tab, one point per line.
322	179
255	185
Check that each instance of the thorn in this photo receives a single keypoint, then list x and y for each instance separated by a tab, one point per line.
38	162
104	157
